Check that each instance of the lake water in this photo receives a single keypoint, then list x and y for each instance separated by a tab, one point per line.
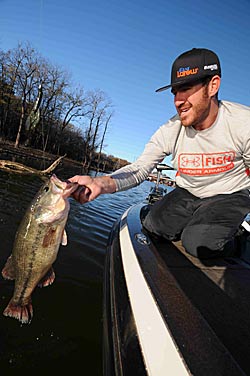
66	331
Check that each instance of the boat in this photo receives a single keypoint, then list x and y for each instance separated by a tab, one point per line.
166	312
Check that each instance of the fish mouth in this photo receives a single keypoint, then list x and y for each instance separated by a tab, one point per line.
57	185
65	187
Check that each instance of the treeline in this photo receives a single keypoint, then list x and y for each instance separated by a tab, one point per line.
42	109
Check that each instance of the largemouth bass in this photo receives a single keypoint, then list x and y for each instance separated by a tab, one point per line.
36	245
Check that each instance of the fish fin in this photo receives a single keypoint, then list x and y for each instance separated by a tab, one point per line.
49	237
64	240
8	271
48	279
22	313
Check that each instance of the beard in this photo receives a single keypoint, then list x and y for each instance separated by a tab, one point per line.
195	114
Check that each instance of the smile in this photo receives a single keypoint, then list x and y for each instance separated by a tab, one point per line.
184	110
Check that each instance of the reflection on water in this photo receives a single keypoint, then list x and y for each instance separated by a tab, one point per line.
66	331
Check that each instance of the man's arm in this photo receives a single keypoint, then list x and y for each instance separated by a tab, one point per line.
125	177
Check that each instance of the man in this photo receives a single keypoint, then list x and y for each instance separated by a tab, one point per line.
209	141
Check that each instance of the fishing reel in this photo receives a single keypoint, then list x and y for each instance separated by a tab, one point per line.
157	192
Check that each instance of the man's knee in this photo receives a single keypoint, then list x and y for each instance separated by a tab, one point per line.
200	242
168	216
160	228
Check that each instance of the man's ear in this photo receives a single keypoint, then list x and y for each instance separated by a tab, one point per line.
214	85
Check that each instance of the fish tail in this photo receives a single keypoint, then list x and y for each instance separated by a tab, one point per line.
22	313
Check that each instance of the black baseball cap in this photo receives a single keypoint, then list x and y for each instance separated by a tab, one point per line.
192	66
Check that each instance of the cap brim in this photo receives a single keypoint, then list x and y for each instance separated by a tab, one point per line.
185	82
163	88
181	82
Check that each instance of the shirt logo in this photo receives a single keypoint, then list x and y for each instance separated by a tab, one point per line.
206	164
183	72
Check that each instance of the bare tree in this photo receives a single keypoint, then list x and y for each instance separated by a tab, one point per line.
41	108
8	82
99	105
102	141
54	82
25	63
72	107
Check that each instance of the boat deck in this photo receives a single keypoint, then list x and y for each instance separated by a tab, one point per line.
204	304
217	293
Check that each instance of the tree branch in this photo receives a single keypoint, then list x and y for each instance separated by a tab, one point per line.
22	169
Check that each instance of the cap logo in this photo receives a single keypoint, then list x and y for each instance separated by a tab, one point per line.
183	72
211	67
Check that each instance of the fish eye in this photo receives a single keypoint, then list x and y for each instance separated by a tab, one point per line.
46	188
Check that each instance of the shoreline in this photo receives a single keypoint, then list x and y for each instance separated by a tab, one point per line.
32	156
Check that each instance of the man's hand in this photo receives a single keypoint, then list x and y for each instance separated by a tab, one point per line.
90	188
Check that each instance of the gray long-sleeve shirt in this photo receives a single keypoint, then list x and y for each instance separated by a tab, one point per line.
208	162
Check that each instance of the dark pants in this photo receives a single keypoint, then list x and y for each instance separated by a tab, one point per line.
206	226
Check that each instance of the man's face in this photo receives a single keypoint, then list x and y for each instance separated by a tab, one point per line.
193	105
